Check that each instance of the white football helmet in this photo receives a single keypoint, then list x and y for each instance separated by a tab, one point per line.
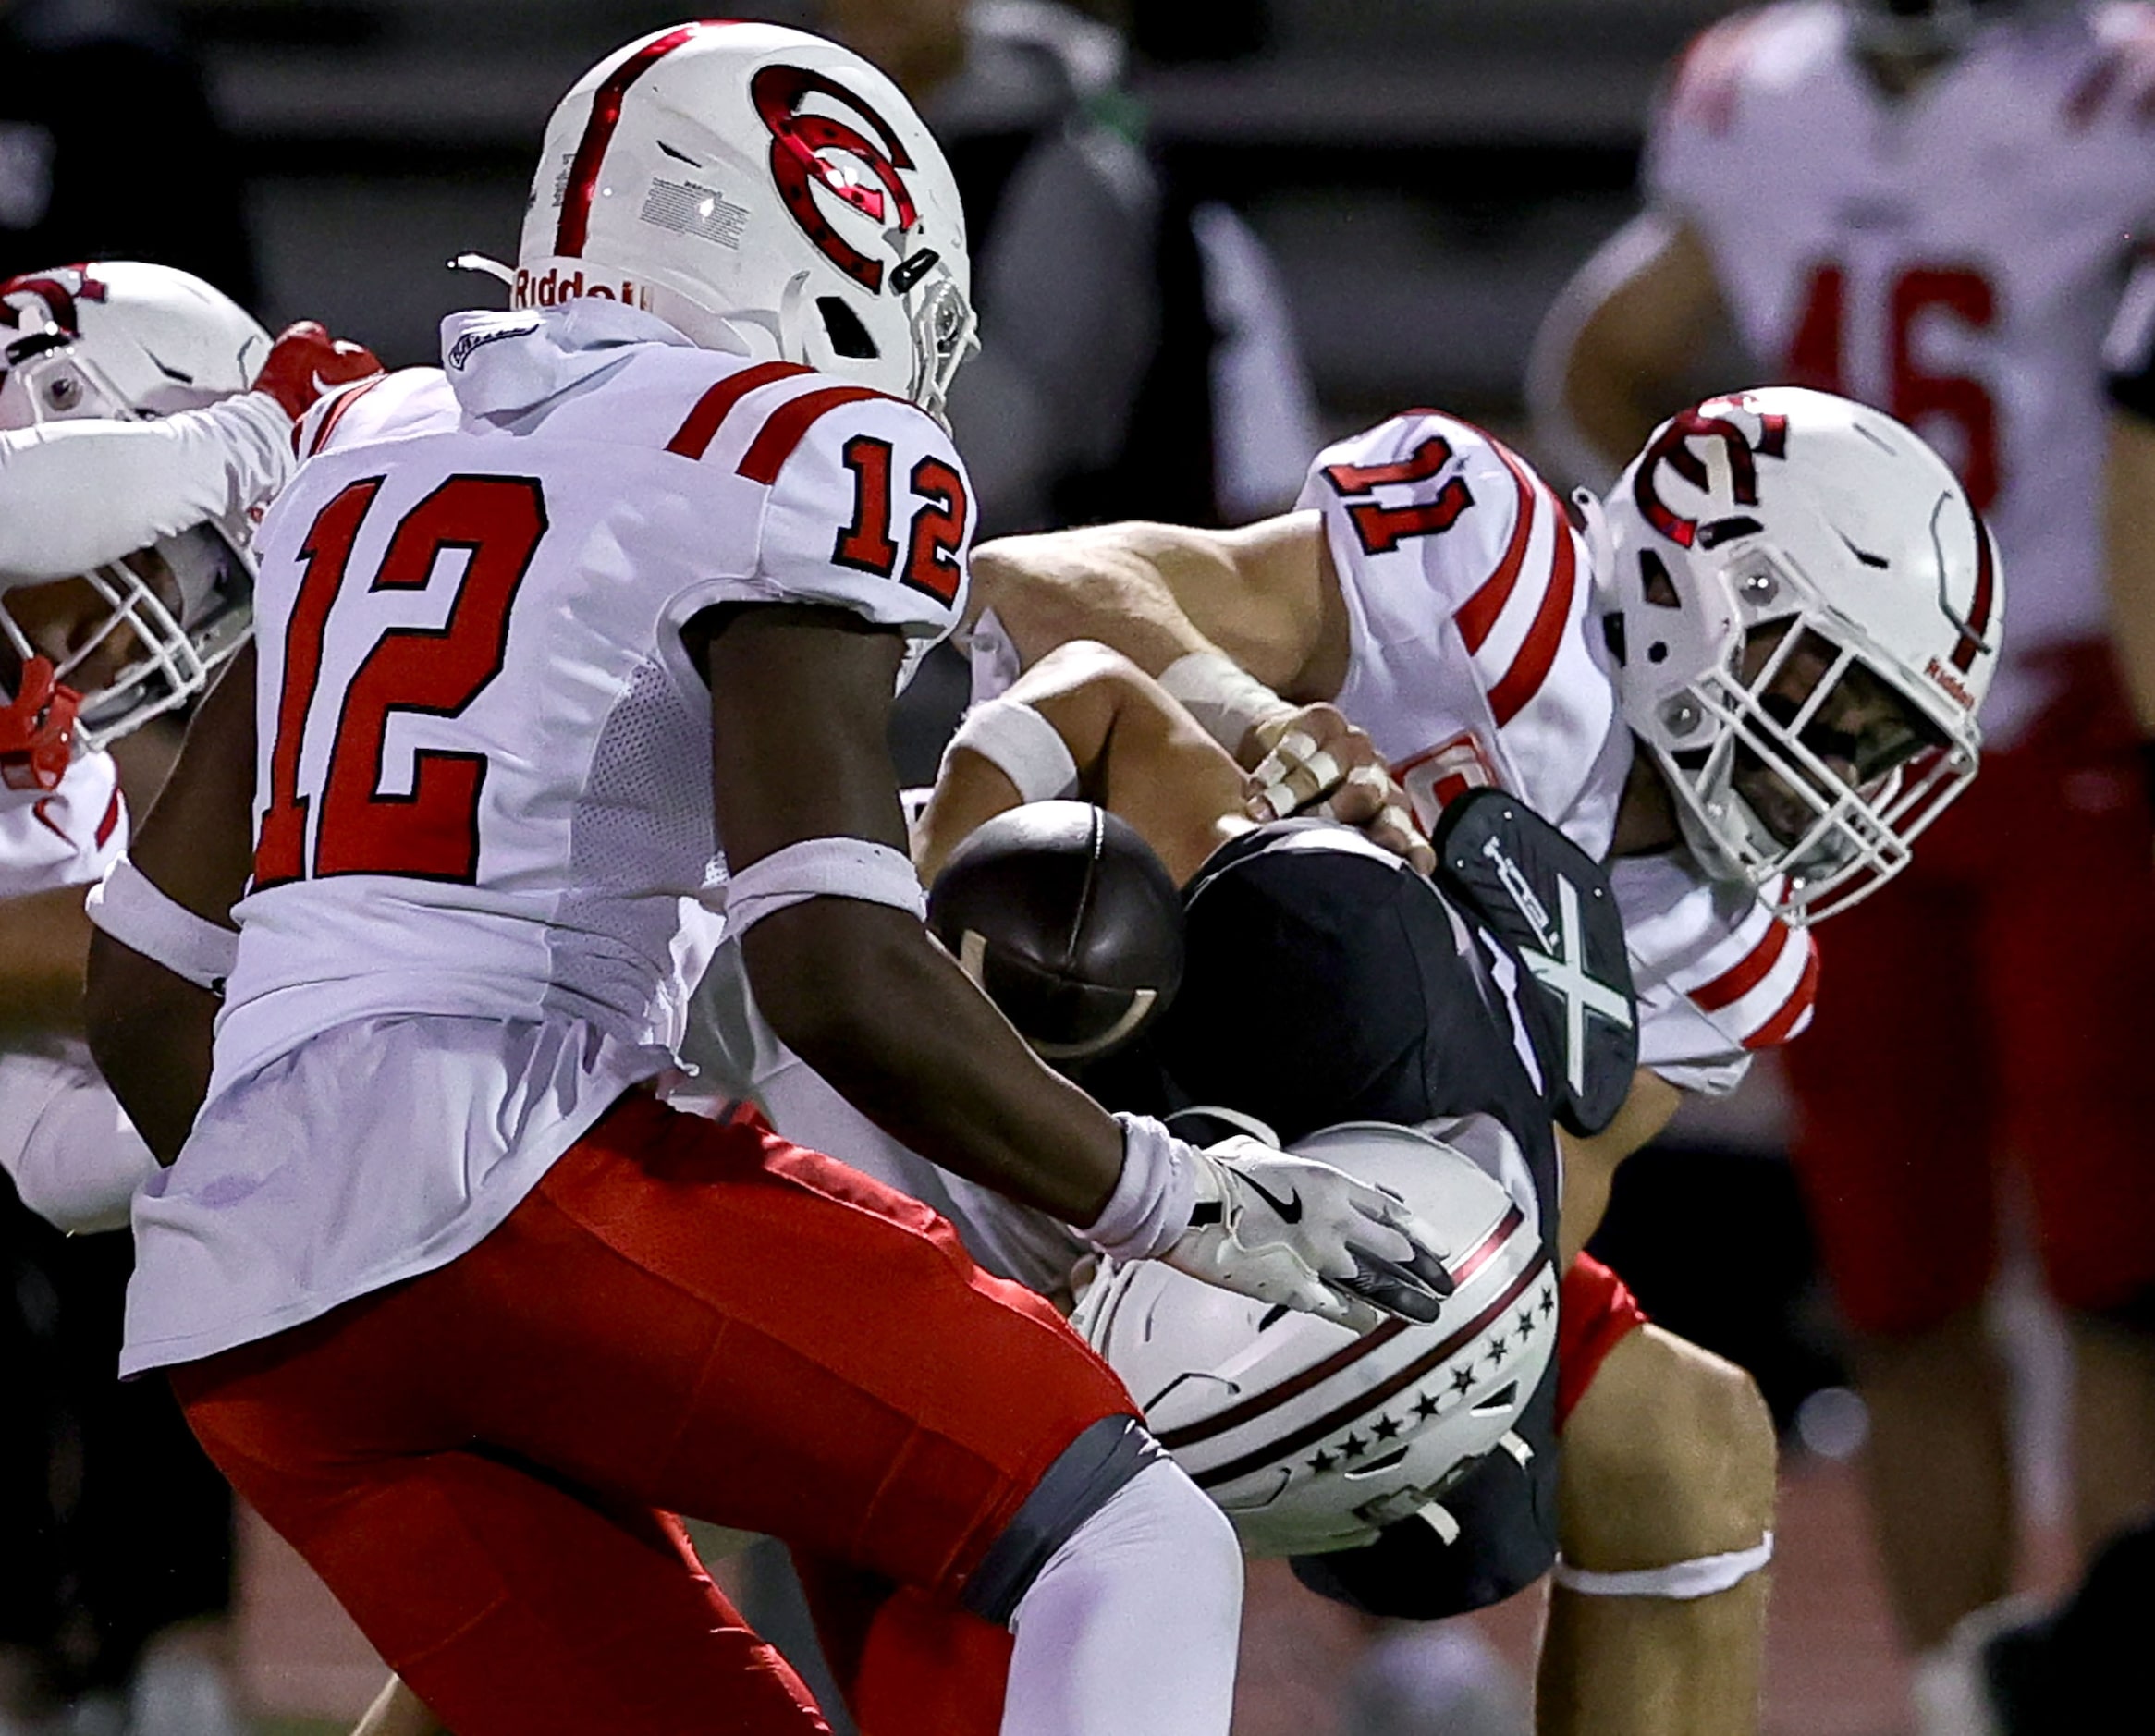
126	341
1312	1438
760	187
1804	608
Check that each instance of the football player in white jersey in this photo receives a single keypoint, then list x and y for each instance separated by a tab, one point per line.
1932	207
144	417
574	653
1703	685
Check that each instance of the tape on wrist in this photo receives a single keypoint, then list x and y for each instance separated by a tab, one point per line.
1020	744
1154	1196
1225	699
131	908
821	868
1682	1581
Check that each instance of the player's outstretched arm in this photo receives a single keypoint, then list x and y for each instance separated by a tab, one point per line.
805	795
1618	346
1158	592
149	1027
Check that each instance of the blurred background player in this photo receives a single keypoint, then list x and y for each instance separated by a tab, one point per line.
143	418
1931	207
680	533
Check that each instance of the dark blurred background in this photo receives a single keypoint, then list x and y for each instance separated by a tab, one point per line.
1427	172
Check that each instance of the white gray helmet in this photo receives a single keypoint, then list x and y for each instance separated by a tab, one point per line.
130	341
760	188
1310	1437
1777	560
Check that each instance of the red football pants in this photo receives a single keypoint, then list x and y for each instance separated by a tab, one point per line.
1991	1004
682	1316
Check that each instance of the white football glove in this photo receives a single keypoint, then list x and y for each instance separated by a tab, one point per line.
1284	1229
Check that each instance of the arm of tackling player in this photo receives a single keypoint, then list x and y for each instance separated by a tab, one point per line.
854	984
1590	1164
149	1027
1246	628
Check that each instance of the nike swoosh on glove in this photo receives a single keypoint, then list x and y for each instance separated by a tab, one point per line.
305	362
1295	1231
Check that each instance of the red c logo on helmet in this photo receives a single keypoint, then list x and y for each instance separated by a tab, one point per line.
1672	446
797	161
59	291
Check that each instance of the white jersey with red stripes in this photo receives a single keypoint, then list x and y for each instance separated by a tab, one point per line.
1474	659
484	796
1952	256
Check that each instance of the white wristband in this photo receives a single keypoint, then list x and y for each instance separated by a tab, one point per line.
1154	1196
1223	697
821	868
131	908
1020	744
1682	1580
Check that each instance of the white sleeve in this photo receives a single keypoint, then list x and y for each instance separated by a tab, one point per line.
78	495
74	1158
872	512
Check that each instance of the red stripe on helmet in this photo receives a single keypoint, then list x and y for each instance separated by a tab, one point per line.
598	133
1363	1404
1979	622
1316	1374
1539	650
774	443
693	437
1741	978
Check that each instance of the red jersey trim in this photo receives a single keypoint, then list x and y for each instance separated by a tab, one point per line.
693	437
336	413
789	423
1794	1010
1477	616
111	820
1741	977
1538	651
574	228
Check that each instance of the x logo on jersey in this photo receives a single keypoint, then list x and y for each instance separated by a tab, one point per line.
1567	975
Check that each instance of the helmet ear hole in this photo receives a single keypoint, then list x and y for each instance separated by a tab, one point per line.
1655	584
842	327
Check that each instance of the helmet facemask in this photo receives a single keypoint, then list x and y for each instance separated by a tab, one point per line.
1802	756
178	610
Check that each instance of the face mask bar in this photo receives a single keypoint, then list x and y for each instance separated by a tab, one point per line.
1858	837
176	653
945	332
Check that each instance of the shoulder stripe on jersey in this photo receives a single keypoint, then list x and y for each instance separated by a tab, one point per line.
1794	1010
574	228
1747	973
336	412
1538	651
1477	616
693	437
774	443
112	819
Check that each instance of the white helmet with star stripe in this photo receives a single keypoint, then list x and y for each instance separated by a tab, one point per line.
1312	1438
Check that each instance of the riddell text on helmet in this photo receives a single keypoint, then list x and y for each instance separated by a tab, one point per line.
549	288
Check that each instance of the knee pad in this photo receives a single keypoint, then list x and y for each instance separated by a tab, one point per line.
1681	1581
1088	1473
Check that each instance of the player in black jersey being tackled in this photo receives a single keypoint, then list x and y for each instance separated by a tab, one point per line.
1305	979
